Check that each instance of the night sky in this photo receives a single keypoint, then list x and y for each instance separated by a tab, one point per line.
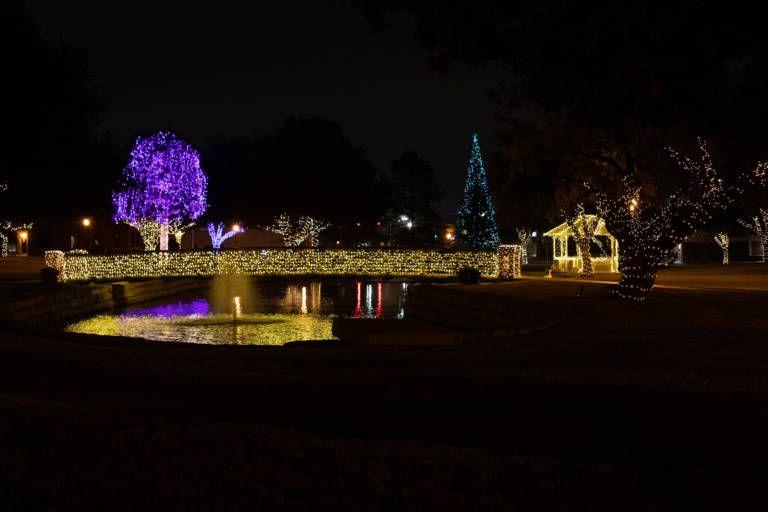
222	69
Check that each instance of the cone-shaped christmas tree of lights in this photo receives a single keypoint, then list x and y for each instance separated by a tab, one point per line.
476	223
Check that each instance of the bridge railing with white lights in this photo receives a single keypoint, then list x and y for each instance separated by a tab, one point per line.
504	263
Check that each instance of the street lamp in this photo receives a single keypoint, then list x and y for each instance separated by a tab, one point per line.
86	222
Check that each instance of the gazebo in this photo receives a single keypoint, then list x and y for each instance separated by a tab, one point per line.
566	254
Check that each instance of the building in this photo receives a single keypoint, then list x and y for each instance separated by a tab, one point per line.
566	255
248	238
700	248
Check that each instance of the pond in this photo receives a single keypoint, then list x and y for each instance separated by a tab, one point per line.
241	311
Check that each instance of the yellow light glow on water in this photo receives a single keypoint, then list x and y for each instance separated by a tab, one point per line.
304	300
250	329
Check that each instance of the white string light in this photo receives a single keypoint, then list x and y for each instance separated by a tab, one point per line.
296	233
523	238
647	233
282	262
583	228
722	240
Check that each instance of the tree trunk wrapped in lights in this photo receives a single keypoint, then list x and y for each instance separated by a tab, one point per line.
218	236
583	229
178	229
149	231
524	237
753	191
723	241
759	225
648	233
296	233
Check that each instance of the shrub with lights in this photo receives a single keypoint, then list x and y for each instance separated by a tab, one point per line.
476	221
163	186
648	231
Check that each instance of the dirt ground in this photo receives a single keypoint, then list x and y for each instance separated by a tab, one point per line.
661	405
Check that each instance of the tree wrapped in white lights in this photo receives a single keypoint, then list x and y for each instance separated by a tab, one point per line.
8	227
722	240
216	232
583	229
310	229
296	233
3	236
524	238
177	229
647	233
755	184
759	226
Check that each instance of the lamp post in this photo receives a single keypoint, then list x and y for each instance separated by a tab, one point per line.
236	228
86	223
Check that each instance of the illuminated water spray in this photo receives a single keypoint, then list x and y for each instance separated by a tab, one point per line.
237	309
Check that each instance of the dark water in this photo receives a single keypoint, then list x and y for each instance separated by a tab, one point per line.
240	311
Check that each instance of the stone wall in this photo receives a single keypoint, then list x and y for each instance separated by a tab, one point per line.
49	306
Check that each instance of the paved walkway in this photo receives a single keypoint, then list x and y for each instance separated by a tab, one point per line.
20	268
739	276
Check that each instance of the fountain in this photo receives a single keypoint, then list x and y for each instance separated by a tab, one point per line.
238	310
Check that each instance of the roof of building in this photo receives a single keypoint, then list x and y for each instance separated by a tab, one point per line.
564	230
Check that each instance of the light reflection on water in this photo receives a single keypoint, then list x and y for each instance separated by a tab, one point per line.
245	312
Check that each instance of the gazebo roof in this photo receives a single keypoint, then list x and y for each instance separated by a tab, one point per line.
564	230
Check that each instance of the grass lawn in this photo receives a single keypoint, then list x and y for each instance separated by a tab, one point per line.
661	405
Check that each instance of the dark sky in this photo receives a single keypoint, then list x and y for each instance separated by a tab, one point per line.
219	68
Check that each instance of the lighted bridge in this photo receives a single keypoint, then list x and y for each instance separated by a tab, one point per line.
504	263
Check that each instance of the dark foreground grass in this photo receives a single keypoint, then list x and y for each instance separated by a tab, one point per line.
662	406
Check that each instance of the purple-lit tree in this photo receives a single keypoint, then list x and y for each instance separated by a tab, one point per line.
163	183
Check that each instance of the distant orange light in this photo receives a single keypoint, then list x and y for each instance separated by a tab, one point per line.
24	235
86	221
